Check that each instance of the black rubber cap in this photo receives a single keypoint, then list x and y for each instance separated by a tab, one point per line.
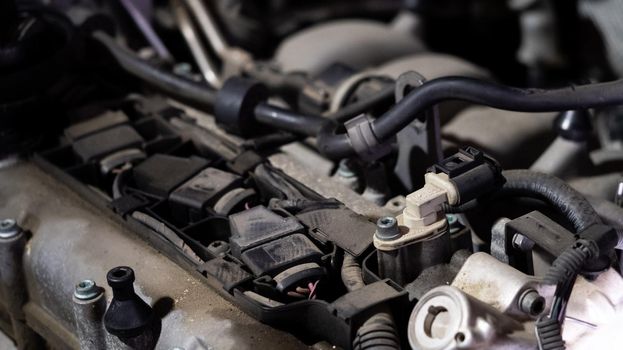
236	102
121	277
574	125
127	316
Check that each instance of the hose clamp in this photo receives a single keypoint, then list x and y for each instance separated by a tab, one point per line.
363	140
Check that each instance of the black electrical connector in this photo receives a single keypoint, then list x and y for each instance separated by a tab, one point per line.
586	256
472	172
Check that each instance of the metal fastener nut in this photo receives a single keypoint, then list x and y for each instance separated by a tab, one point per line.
522	242
387	228
345	169
531	302
454	224
9	228
87	290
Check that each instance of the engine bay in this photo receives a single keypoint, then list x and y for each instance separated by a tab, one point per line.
369	174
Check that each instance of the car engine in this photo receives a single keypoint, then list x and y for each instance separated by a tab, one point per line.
345	174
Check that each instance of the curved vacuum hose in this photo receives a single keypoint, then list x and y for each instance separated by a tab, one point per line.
336	145
496	96
188	91
477	92
554	191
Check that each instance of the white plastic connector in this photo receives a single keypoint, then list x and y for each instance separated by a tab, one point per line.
423	217
424	206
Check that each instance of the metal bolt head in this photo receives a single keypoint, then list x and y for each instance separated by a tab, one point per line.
345	169
183	68
9	228
387	228
87	290
453	223
531	302
522	242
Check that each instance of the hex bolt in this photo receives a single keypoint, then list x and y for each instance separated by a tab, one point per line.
9	228
452	219
387	228
531	302
347	174
345	169
522	242
183	69
89	306
453	223
87	290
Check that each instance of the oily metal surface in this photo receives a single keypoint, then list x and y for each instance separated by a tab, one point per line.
324	186
73	241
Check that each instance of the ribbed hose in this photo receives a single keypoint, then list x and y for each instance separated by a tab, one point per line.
351	273
562	274
571	261
378	332
549	334
554	191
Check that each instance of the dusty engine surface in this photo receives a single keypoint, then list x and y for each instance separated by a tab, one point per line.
350	174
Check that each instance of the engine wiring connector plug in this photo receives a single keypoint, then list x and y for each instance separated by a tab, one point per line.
421	238
423	217
456	180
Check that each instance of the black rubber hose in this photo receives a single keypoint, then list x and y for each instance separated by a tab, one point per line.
562	274
461	208
378	332
496	96
385	127
285	119
477	92
332	144
571	261
554	191
383	97
184	90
